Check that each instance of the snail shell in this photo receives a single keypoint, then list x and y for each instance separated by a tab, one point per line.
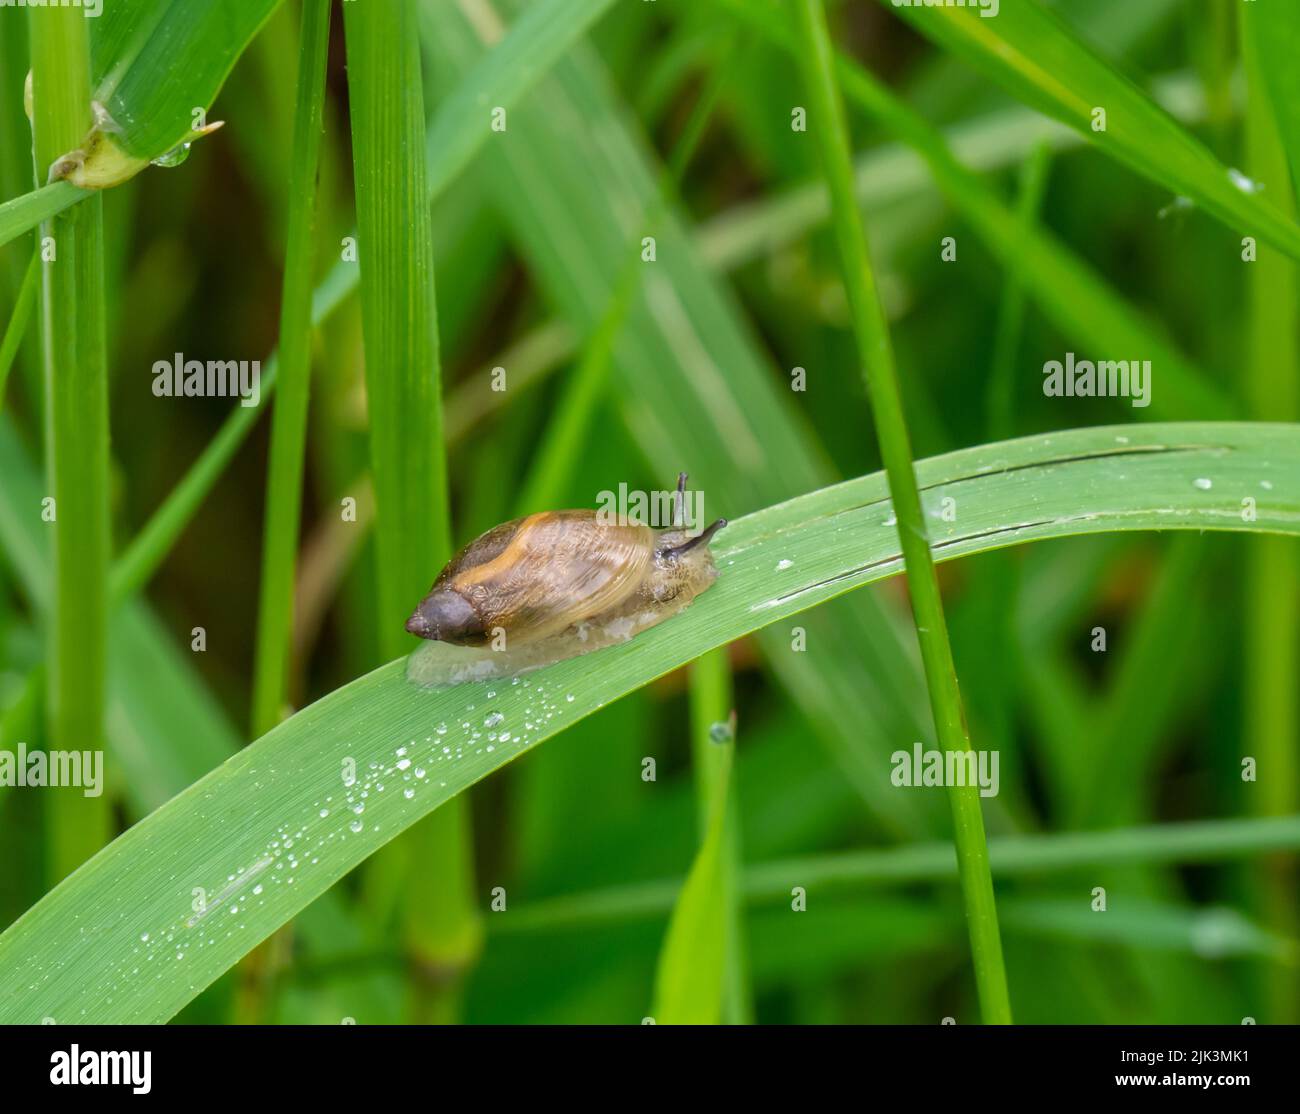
554	585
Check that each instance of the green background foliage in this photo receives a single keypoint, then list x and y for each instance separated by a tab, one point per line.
501	880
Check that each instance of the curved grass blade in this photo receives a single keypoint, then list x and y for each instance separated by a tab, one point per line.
153	64
279	823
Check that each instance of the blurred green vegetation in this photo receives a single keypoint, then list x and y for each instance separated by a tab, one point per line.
530	240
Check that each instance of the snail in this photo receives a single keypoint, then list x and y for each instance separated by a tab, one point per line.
555	585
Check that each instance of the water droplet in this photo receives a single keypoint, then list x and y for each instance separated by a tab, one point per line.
356	825
408	793
721	733
1246	185
1203	483
783	564
324	813
174	157
493	719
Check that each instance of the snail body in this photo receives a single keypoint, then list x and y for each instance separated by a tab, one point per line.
554	585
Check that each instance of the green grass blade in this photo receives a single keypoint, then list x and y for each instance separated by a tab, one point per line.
1271	661
23	213
1271	39
404	399
702	976
77	468
1032	53
875	353
165	729
1213	933
854	872
289	421
237	818
519	57
1000	393
150	546
153	63
18	321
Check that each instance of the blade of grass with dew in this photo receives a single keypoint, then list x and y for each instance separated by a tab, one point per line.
1041	487
1078	301
76	394
164	728
1184	843
408	456
877	365
18	320
1271	661
694	389
289	420
1035	56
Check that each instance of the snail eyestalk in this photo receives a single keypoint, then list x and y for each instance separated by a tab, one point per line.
701	539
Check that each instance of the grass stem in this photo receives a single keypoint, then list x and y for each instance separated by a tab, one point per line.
876	354
408	456
289	420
